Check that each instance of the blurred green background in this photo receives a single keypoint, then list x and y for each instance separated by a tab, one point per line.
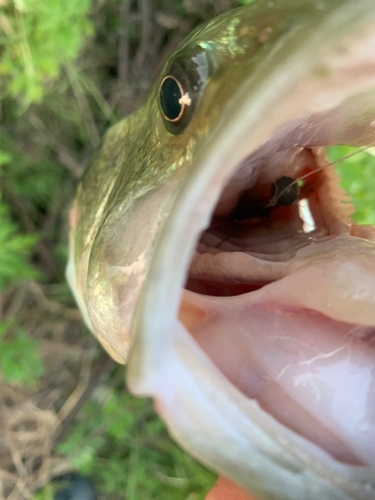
69	69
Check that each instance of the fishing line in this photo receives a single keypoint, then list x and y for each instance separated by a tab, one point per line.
274	200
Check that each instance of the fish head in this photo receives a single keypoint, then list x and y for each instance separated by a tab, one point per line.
250	322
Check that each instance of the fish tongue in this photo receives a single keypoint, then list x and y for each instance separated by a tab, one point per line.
304	345
335	277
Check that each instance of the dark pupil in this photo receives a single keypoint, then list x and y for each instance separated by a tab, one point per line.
170	94
286	191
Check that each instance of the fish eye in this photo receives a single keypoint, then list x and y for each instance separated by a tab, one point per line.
285	190
181	87
171	99
175	102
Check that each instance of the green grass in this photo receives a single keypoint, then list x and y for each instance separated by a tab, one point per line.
358	179
21	362
120	442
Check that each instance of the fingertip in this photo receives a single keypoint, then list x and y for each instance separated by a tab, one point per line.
226	490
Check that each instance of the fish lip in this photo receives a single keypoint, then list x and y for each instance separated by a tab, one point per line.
156	310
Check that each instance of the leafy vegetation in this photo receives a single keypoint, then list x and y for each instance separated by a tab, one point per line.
146	465
357	174
37	39
14	250
20	359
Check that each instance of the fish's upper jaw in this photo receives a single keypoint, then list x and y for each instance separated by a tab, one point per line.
217	371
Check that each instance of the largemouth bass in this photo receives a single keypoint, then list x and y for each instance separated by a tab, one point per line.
243	299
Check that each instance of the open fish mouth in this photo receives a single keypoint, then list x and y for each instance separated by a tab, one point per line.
283	302
264	310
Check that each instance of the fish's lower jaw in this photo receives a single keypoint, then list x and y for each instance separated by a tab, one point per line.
203	409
